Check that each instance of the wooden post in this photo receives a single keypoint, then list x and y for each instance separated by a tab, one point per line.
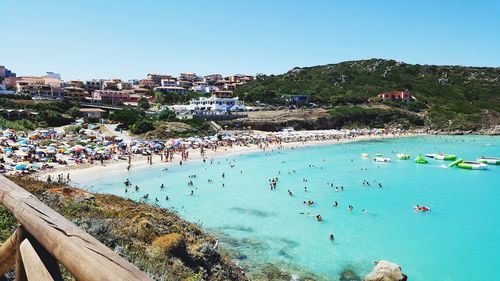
82	255
49	262
20	237
35	269
8	254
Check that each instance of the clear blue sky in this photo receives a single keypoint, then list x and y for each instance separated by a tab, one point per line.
128	39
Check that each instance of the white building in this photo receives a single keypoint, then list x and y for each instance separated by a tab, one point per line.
214	103
168	82
206	89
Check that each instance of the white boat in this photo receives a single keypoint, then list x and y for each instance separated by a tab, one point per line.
382	159
430	155
364	155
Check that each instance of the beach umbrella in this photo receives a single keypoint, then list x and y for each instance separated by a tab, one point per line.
21	166
77	148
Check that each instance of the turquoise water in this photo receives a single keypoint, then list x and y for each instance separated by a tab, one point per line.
457	240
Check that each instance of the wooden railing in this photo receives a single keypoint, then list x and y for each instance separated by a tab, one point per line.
45	238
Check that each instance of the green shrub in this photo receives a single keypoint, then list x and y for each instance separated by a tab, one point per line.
142	126
19	125
167	115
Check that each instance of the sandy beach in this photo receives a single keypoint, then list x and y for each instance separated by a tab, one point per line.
85	172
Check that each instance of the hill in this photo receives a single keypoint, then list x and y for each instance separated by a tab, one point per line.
447	97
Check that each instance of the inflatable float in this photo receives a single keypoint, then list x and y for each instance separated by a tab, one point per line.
469	165
472	165
421	160
364	155
489	160
403	156
381	159
446	157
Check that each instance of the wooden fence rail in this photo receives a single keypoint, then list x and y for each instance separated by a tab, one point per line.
46	238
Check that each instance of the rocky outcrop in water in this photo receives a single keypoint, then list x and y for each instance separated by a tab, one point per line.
386	271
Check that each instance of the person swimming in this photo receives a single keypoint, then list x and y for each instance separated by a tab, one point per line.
319	218
331	237
335	204
290	193
162	186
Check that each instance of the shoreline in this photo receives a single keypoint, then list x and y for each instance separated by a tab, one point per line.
80	174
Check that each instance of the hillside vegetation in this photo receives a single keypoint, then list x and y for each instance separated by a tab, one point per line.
447	97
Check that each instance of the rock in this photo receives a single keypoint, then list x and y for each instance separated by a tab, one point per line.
349	275
172	244
386	271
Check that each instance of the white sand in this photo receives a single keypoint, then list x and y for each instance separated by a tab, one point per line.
84	173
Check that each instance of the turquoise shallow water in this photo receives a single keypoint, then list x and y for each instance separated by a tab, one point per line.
457	240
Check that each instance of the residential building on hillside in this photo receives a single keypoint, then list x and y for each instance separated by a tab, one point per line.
124	85
189	76
156	78
239	78
230	86
74	83
75	93
184	83
44	86
172	89
93	84
223	94
110	96
134	82
147	83
53	75
93	113
396	96
205	89
110	84
5	73
212	77
4	91
168	82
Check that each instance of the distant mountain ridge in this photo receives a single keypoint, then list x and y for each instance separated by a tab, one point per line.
447	97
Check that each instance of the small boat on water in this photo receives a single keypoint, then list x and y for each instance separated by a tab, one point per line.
364	155
430	155
446	157
403	156
421	160
469	165
489	160
382	159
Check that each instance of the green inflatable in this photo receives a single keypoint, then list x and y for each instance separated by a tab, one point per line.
421	160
